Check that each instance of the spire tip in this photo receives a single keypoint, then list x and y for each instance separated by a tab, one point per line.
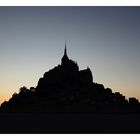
65	51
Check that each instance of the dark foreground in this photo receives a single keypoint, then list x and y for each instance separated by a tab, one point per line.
69	123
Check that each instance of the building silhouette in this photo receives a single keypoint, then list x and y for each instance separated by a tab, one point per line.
66	89
66	74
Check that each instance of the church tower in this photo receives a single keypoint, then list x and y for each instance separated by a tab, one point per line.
67	64
65	58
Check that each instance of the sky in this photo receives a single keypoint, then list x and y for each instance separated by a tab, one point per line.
106	39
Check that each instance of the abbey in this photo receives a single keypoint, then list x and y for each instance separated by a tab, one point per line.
66	74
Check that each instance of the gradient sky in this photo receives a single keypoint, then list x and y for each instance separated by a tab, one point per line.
107	39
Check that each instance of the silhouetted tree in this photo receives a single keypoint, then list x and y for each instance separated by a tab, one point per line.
23	89
32	89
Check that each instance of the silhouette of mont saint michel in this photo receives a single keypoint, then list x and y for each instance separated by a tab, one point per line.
64	89
66	100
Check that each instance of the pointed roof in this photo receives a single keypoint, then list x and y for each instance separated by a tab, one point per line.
65	51
65	57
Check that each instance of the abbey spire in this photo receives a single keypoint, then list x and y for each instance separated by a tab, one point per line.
65	51
67	64
65	58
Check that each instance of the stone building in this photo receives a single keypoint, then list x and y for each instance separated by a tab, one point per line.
66	73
